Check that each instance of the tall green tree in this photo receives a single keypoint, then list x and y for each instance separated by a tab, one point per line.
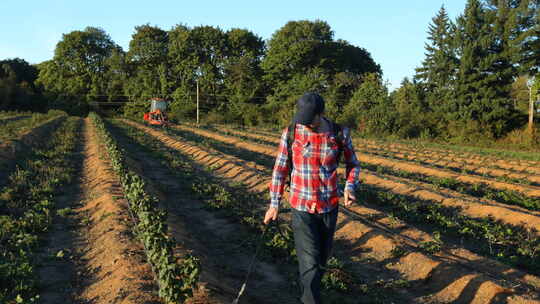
147	63
76	72
370	109
17	87
414	117
438	70
242	81
296	48
527	35
483	82
198	54
304	51
116	76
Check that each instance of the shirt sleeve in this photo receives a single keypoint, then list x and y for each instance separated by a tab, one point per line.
280	172
352	164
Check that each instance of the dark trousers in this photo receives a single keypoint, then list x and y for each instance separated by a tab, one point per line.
313	237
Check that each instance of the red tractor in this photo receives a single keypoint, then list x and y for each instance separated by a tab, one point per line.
157	115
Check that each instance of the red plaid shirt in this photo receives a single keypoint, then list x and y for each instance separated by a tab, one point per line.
314	177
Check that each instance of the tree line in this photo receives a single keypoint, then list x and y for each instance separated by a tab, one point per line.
470	84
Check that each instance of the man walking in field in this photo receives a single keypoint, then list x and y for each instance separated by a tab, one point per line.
309	152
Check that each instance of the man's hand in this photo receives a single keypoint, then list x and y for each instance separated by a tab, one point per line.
271	215
349	198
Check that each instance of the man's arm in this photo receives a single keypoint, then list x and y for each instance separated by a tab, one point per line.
280	172
351	162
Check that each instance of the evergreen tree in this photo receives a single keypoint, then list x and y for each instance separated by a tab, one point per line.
484	79
527	35
439	67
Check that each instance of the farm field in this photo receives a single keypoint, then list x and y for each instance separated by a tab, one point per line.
113	211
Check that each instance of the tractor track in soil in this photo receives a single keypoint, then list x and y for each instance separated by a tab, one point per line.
481	166
470	206
199	230
454	275
110	262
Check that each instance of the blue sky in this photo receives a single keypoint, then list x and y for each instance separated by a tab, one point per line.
394	32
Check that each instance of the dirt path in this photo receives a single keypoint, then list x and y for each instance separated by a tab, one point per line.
212	237
455	275
111	266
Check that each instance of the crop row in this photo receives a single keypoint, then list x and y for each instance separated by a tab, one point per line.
10	114
247	207
176	280
476	189
469	152
489	170
512	244
13	129
480	190
473	153
503	170
27	209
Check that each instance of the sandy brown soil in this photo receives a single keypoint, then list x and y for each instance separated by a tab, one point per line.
214	238
470	206
112	265
456	276
470	158
479	166
485	166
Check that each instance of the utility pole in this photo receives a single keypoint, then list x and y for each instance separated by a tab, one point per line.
197	102
530	84
531	110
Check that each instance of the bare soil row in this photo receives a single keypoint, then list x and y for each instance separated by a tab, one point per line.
212	236
512	169
97	260
453	273
468	205
498	168
475	157
111	265
413	167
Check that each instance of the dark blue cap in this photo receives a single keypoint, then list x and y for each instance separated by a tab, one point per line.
307	107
